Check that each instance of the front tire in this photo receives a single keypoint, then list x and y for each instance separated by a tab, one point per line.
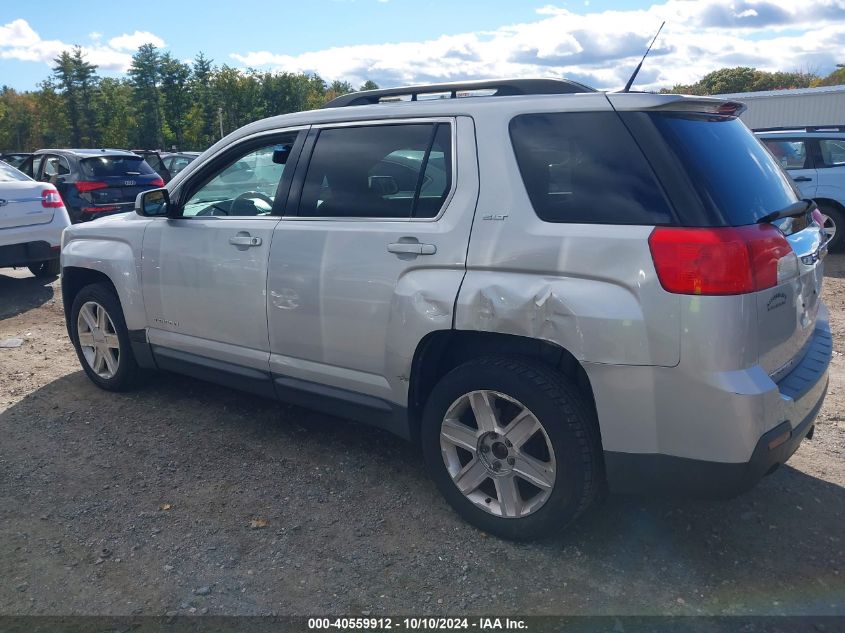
49	268
101	339
512	446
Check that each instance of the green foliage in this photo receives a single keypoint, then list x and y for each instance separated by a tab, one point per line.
162	102
744	79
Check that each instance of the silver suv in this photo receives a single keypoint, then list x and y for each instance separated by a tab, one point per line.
553	291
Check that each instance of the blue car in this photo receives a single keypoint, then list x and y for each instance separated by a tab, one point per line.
93	182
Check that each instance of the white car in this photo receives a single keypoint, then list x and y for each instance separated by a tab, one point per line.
32	218
815	159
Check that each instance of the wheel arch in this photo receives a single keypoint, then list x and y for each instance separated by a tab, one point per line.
831	202
441	351
75	279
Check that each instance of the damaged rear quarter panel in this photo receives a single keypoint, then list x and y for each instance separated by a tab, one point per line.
590	288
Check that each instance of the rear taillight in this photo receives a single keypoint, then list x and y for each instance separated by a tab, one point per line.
158	182
50	199
85	185
721	261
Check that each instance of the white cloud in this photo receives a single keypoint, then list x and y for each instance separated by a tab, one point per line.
600	48
18	40
18	33
131	41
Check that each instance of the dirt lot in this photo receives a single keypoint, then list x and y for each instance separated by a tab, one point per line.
143	503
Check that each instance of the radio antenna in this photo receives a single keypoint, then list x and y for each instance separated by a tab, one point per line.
628	85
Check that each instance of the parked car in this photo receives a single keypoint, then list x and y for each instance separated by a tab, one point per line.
167	164
815	159
551	290
15	159
93	182
32	218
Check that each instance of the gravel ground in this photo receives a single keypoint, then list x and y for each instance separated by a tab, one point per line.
185	497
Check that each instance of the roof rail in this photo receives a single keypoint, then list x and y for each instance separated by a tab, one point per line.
805	128
501	88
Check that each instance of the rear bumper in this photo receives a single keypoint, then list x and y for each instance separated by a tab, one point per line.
800	395
27	253
635	473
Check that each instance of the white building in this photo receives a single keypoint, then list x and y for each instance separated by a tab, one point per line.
793	108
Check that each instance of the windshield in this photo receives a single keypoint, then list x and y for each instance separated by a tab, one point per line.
10	174
107	166
732	172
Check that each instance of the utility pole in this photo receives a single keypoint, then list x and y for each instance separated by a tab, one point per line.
220	118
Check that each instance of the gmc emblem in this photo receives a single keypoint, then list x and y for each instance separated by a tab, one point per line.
129	183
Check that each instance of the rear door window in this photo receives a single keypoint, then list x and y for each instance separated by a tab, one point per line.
115	166
54	166
584	167
790	154
833	152
379	171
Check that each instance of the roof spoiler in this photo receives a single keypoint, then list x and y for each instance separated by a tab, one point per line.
675	103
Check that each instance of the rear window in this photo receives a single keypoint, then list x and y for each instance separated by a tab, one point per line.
10	174
107	166
733	174
584	167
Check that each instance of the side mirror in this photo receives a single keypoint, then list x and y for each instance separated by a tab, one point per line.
154	203
281	153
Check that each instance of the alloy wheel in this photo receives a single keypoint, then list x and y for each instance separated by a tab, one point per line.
828	227
498	454
98	339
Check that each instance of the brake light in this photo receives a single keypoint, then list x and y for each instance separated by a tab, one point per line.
158	182
721	261
84	186
50	199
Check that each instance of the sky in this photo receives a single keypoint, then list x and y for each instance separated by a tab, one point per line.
401	42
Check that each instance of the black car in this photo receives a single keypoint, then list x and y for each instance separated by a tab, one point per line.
166	164
93	182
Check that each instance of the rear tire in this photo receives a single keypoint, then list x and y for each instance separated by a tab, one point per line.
49	268
835	225
99	335
536	465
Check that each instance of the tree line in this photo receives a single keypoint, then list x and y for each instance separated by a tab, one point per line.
745	79
162	102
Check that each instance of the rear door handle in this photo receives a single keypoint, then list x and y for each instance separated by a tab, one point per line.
245	240
802	179
411	248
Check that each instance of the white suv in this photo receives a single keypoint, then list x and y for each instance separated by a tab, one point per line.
550	289
815	159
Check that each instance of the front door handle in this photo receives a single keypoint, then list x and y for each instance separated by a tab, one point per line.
802	179
411	248
245	240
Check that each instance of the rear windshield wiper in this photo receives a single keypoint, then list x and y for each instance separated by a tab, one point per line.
793	210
